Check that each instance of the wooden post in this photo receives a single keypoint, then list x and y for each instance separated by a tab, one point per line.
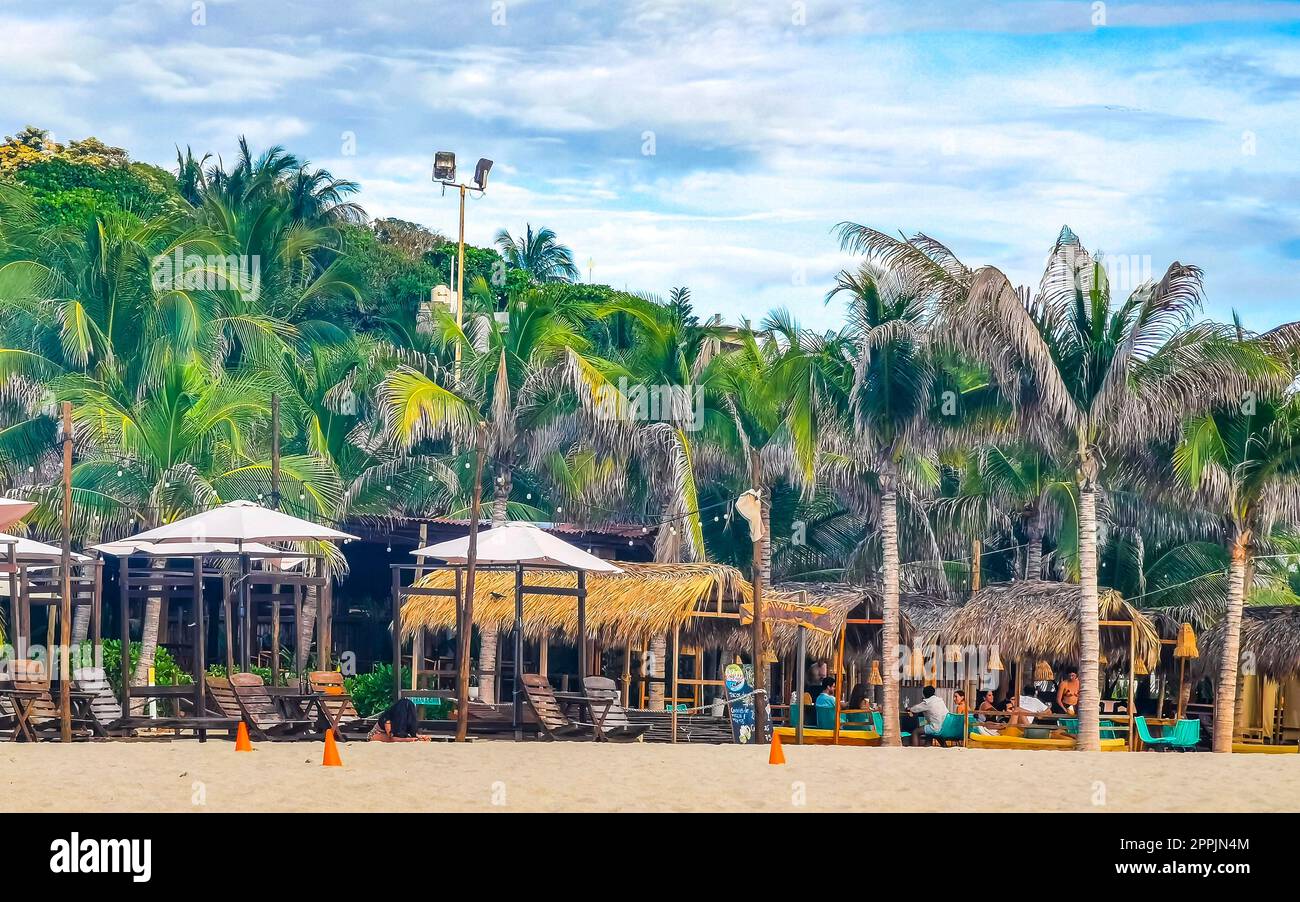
230	626
200	661
517	701
672	717
417	642
65	601
1182	675
583	664
471	562
299	654
275	636
397	632
627	673
124	613
324	615
1132	685
839	683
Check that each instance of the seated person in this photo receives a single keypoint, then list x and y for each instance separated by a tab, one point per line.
1027	706
397	724
860	709
933	709
987	705
826	703
959	703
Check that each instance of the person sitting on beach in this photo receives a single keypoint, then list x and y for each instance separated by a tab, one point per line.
959	705
1067	694
987	705
397	724
931	707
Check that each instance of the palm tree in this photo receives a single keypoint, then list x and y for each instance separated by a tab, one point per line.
1246	463
540	254
528	375
1087	374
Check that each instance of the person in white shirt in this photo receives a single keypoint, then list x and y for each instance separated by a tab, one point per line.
933	709
1030	704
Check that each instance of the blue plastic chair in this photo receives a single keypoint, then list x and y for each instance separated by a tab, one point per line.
1155	742
879	721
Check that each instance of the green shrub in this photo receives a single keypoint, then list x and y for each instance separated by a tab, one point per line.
165	671
373	692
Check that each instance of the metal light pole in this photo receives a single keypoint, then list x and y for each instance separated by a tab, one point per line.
444	172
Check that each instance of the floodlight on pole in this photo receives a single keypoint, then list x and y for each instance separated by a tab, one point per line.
444	171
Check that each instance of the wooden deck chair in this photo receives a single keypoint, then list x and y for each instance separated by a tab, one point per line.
334	699
260	711
613	725
30	676
106	707
555	724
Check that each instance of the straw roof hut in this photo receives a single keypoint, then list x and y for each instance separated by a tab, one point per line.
1039	620
923	618
1271	634
643	602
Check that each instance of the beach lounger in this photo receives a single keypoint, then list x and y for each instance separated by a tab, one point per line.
244	696
555	724
105	706
612	724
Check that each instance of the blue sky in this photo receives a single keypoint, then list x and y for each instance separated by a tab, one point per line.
1157	131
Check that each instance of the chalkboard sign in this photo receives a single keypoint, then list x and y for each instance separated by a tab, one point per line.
740	682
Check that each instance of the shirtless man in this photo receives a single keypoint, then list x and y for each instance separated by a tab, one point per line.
1067	693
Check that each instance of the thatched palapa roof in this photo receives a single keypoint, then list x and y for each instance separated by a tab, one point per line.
1269	634
645	601
1039	620
922	619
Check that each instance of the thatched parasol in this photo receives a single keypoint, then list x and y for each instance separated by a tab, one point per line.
1033	619
1270	634
643	602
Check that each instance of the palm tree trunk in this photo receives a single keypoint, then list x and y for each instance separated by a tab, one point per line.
487	655
80	625
148	647
1089	707
889	632
1225	696
1034	551
307	627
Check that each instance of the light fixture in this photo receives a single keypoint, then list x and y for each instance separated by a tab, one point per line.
444	166
481	173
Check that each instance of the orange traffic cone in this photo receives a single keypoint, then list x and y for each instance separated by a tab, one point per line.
331	758
777	755
241	739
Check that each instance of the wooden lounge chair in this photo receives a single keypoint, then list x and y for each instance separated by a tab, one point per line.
612	724
105	706
555	724
336	702
244	695
29	700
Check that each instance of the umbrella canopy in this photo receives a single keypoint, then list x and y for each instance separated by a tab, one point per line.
12	510
129	547
240	522
29	549
518	543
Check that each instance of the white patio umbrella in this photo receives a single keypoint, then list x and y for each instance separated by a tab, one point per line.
241	521
265	553
519	543
525	545
29	549
12	510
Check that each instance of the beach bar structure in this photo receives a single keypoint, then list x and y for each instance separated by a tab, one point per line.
31	577
226	544
1269	682
1031	621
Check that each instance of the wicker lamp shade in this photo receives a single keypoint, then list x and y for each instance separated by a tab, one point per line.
1185	647
1043	672
995	660
876	678
1140	667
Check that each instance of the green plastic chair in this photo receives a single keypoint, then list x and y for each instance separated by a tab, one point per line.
951	730
825	715
1156	742
879	721
1187	734
1071	726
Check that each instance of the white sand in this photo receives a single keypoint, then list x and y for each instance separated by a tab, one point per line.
487	776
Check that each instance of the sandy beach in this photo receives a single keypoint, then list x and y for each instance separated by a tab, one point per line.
504	776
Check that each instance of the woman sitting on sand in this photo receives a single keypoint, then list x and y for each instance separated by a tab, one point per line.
397	724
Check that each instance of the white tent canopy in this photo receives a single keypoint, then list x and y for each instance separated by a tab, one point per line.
12	510
518	543
240	522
